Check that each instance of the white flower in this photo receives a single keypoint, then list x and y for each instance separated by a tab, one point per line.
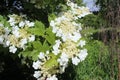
54	29
14	28
12	21
82	55
7	43
1	25
47	52
75	37
36	65
7	31
23	42
21	24
16	33
59	33
81	43
41	55
12	49
56	51
31	38
56	47
52	78
75	60
30	24
1	39
58	20
64	38
63	60
37	74
52	23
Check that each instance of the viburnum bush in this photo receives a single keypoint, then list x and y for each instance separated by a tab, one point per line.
51	48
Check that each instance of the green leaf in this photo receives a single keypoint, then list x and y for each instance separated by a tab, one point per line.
34	55
39	29
37	45
51	63
40	25
1	18
51	17
45	46
50	36
30	54
36	31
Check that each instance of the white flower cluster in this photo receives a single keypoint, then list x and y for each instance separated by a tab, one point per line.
16	36
68	46
68	30
42	71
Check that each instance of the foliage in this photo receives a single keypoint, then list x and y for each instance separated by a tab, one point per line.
44	41
97	65
93	20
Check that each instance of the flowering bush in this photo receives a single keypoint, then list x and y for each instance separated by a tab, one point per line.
52	48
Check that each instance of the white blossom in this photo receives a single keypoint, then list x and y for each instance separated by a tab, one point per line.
12	49
7	43
82	55
23	42
1	25
82	43
63	60
36	65
75	60
59	33
52	78
12	21
47	52
30	24
31	38
7	31
16	33
54	30
15	28
64	38
52	23
56	47
1	39
37	74
41	55
75	37
21	24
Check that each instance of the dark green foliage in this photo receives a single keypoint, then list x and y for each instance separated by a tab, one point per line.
79	2
97	65
92	20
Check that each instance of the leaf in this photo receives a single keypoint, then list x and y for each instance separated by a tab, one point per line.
51	62
39	29
40	25
50	36
37	45
45	46
34	55
51	17
30	54
1	18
